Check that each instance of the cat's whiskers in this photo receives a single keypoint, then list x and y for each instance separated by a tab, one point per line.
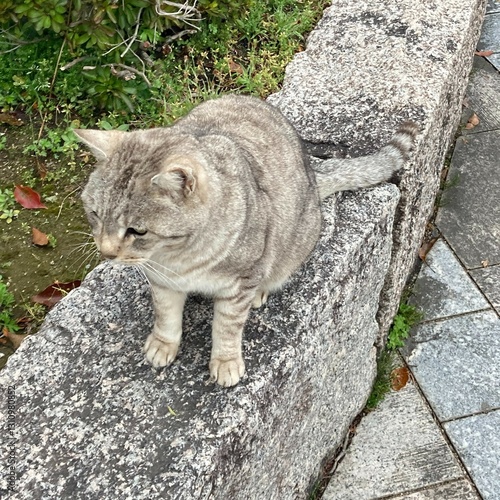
87	259
138	267
163	277
154	263
82	247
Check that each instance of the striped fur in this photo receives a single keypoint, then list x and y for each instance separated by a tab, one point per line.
366	171
222	203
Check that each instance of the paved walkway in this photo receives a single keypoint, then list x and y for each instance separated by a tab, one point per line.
439	437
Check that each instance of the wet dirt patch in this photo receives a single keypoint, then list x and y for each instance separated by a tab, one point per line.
25	267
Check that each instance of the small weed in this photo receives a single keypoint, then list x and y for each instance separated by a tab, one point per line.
406	317
34	316
6	307
57	142
7	204
52	240
382	384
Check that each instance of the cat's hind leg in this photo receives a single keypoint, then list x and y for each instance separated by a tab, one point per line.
267	287
260	298
230	315
163	342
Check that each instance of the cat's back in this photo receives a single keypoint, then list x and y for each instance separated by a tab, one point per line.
234	109
246	128
245	119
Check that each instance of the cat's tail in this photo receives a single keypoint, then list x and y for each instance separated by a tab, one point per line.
354	173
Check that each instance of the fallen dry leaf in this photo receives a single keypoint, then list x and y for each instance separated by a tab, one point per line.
28	198
485	263
55	292
473	121
235	67
399	378
12	118
483	53
39	238
15	339
426	248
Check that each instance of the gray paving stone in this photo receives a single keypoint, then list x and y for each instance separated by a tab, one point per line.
488	279
397	448
495	60
483	96
456	362
493	6
477	440
470	217
490	34
443	287
456	490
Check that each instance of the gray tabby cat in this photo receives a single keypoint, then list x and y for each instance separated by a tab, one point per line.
223	203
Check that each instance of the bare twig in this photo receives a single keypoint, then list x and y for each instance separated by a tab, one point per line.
72	63
44	118
133	38
170	39
10	39
114	47
185	12
10	50
65	198
57	66
123	66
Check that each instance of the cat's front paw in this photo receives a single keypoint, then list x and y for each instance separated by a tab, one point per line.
158	352
226	372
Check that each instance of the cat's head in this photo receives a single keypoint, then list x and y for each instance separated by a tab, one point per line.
148	193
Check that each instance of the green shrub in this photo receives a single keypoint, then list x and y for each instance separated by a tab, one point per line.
150	79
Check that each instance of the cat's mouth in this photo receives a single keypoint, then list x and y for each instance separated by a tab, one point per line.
127	261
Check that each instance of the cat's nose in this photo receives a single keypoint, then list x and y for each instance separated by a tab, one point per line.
108	248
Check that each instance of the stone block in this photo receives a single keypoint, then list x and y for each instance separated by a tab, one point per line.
477	439
456	362
443	287
483	98
93	420
470	216
490	38
456	490
396	449
335	94
487	280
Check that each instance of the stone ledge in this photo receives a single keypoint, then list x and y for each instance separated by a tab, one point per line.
98	422
94	421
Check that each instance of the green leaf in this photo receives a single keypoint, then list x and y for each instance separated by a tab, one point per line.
127	102
81	39
110	11
105	125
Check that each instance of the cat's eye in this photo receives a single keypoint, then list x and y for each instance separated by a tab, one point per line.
135	232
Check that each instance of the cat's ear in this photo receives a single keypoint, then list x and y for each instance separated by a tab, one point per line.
102	143
176	181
